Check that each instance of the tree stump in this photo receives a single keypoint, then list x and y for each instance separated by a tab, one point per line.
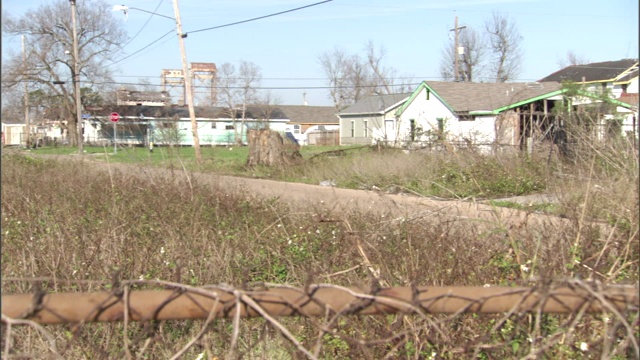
268	148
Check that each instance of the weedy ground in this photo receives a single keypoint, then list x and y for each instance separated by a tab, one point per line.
76	229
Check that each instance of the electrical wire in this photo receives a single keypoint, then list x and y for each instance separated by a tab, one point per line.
143	26
241	87
142	49
259	17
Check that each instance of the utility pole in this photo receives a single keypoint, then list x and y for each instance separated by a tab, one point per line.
455	29
187	84
27	123
76	79
456	50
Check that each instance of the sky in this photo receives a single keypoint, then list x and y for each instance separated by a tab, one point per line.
413	33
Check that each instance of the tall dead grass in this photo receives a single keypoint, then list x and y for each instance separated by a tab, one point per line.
79	230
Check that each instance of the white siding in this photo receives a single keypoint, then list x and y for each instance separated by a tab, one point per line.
425	113
633	86
13	134
479	131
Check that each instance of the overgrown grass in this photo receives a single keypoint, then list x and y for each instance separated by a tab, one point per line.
72	225
458	175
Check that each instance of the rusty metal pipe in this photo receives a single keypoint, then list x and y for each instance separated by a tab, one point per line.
54	308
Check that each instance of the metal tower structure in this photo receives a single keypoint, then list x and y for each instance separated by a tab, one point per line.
203	82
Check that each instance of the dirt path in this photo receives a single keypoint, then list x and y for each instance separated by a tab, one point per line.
334	202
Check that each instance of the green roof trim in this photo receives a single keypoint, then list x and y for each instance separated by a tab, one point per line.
610	100
423	85
526	101
482	112
558	92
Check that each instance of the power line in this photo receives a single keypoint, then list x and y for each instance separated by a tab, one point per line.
138	51
143	26
260	17
257	87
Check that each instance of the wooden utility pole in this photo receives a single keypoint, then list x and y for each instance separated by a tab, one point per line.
76	78
187	84
27	123
456	52
455	29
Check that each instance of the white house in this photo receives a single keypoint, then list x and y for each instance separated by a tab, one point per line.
371	119
171	125
13	134
478	113
489	114
616	77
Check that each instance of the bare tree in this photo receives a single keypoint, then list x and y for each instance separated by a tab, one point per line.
570	59
249	77
268	106
238	89
471	61
49	41
12	103
337	66
351	77
504	43
227	91
383	76
144	84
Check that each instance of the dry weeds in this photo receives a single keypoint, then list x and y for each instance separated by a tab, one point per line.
76	229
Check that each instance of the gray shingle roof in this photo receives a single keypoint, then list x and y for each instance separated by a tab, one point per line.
465	97
374	104
628	77
304	114
599	71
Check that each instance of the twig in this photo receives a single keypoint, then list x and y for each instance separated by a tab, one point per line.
126	322
342	271
7	343
606	304
200	334
249	301
236	324
52	342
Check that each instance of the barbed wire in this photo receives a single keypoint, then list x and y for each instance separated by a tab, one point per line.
327	308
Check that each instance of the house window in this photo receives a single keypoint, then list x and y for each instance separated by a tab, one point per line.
229	127
466	118
353	128
296	129
412	126
214	125
366	128
428	94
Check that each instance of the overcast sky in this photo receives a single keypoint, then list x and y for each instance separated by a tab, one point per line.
413	33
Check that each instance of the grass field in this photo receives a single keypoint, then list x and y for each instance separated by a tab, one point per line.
67	225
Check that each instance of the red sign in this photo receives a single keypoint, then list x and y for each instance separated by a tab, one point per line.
114	117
